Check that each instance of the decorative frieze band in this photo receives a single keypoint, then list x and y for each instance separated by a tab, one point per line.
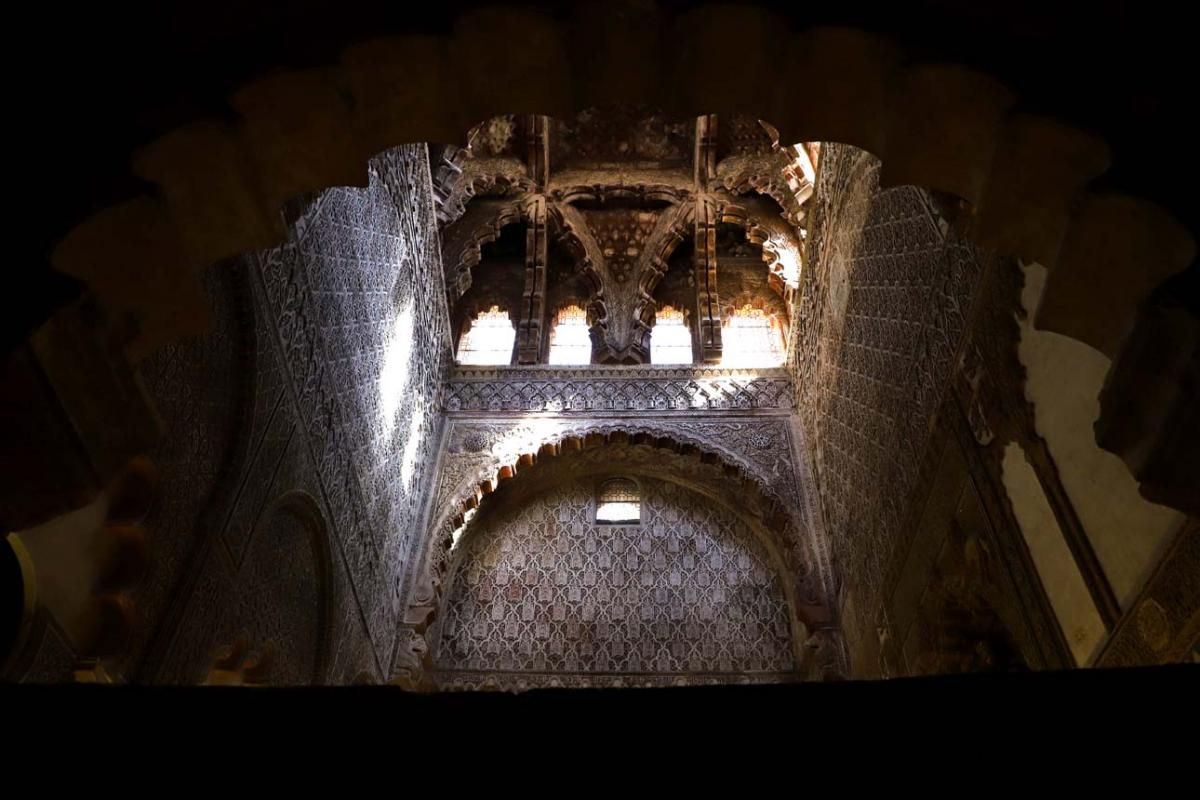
616	389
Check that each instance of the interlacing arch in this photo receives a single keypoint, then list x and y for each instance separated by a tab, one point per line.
464	240
782	250
1023	179
482	223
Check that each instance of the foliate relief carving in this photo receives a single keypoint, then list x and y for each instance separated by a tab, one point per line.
525	681
355	301
497	136
481	178
621	186
636	390
782	524
764	227
570	232
765	174
545	589
474	442
461	472
445	167
492	164
463	241
627	169
675	226
760	447
622	234
882	318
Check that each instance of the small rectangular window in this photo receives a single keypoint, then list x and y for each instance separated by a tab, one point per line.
618	502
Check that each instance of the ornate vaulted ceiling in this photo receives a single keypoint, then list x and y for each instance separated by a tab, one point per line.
616	194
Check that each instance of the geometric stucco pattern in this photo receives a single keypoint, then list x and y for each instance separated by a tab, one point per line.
284	599
760	437
356	304
601	389
758	444
763	446
686	594
885	307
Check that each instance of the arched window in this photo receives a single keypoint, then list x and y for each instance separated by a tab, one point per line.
489	340
618	502
570	342
670	338
752	338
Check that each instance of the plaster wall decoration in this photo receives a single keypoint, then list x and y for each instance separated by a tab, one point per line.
622	234
764	174
620	193
885	304
284	593
356	301
686	594
230	582
762	445
524	681
617	390
764	226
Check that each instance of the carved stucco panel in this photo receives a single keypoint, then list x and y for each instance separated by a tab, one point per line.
884	310
543	588
356	301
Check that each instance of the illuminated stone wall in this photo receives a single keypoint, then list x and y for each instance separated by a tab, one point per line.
356	302
885	307
366	355
299	435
